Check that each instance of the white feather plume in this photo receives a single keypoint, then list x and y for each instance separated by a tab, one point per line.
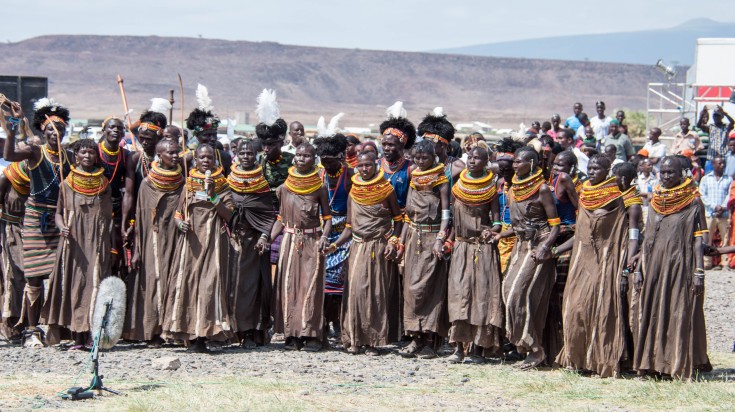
396	111
333	125
203	99
438	111
160	105
268	111
321	127
46	102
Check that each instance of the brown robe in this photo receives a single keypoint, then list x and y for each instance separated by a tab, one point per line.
82	261
197	303
299	289
425	277
370	312
155	239
475	298
250	273
593	308
12	279
671	337
527	285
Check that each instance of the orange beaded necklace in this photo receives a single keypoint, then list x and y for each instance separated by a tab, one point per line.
428	179
669	201
87	183
594	197
18	177
247	181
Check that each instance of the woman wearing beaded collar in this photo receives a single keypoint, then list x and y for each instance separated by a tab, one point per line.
370	311
594	311
46	164
199	277
671	337
84	219
474	295
531	273
154	245
299	294
250	268
425	277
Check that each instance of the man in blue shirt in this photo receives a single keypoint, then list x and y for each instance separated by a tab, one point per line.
573	122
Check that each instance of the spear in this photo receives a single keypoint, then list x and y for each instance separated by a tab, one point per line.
61	161
171	110
127	112
183	138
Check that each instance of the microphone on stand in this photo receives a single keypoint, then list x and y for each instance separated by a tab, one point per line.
207	175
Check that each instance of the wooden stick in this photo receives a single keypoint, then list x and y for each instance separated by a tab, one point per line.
171	110
183	142
127	112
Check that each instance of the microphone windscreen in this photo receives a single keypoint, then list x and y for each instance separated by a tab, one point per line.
111	290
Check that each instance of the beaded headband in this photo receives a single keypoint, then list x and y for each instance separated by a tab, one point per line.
435	137
55	119
150	126
397	133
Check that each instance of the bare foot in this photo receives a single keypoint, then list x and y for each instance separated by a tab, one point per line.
533	360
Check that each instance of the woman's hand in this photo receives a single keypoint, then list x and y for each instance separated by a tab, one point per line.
183	226
638	281
437	250
65	232
542	253
135	261
262	246
390	251
323	245
209	183
698	285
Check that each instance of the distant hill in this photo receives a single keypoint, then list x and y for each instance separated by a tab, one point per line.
313	81
675	45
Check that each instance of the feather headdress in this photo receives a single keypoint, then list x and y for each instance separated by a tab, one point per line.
203	99
52	104
436	127
203	117
47	110
160	105
396	111
328	130
268	110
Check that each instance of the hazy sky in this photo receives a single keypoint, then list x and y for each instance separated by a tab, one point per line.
411	25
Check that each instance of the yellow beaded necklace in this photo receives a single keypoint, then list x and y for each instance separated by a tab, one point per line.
596	196
523	189
303	184
18	178
632	197
165	180
475	192
372	192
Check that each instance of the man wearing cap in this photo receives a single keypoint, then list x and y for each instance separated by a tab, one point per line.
686	138
621	141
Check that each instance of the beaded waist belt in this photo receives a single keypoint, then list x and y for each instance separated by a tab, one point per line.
10	218
301	231
426	227
360	239
475	239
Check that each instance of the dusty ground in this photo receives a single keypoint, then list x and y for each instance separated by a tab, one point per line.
269	378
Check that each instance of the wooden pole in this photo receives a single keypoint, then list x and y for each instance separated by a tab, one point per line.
61	160
127	111
171	110
183	141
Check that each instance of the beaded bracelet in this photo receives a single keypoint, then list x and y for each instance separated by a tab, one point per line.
14	122
554	222
497	223
215	200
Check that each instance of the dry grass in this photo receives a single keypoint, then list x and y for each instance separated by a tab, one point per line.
460	388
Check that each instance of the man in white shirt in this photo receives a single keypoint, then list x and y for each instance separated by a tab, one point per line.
601	122
656	149
296	134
